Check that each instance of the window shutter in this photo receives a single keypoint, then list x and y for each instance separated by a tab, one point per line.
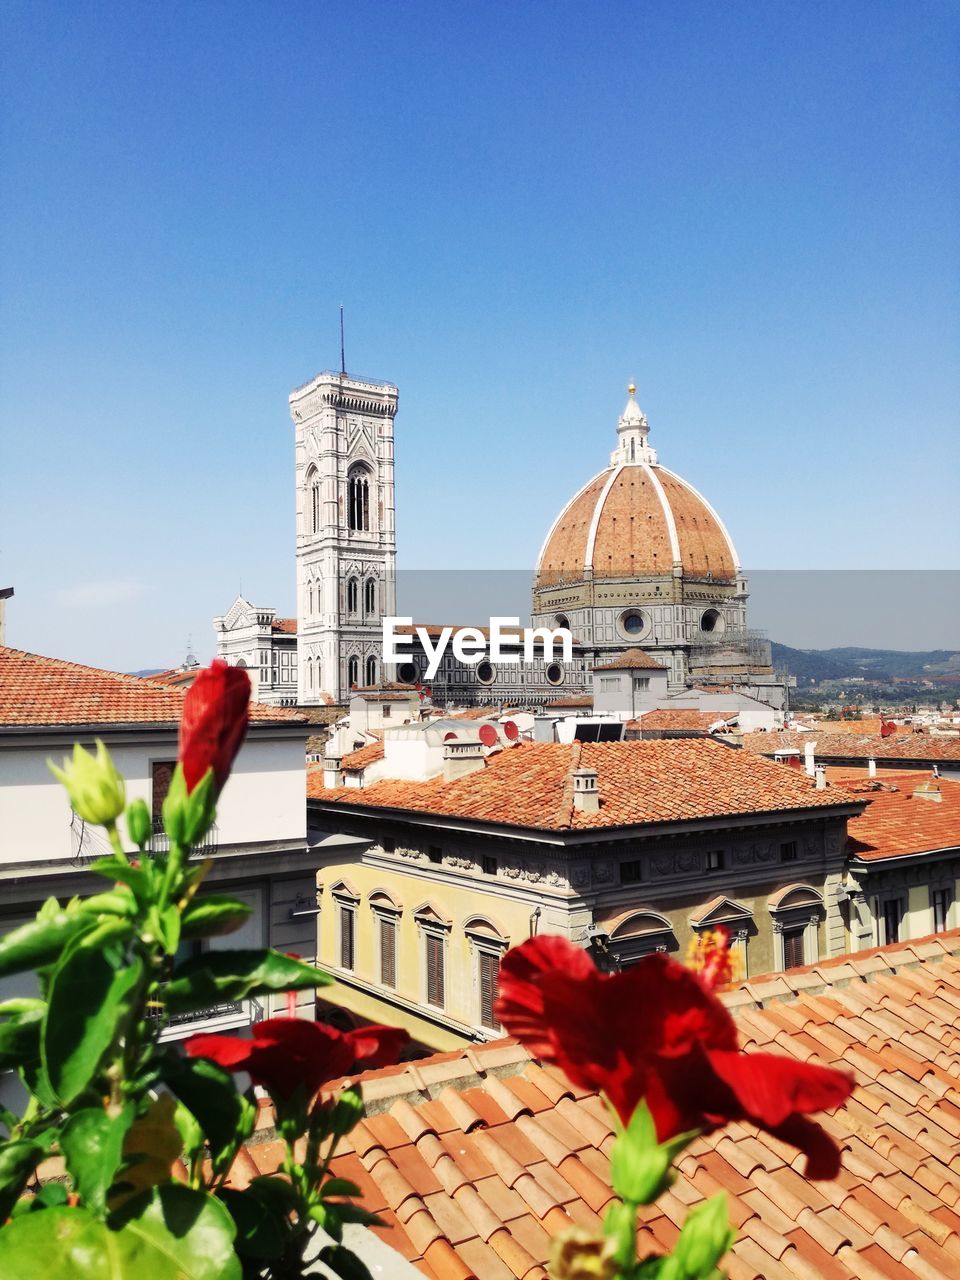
792	948
346	938
388	953
489	983
434	970
161	777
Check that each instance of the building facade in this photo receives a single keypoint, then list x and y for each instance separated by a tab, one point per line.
256	639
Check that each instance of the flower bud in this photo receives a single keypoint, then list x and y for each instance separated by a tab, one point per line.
575	1254
139	823
96	790
705	1238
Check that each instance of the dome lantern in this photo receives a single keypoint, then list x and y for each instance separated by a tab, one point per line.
632	434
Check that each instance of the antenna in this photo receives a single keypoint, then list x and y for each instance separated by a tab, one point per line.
343	359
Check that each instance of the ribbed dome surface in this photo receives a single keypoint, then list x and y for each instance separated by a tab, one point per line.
637	520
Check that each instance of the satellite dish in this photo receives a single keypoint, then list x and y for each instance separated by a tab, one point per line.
488	735
510	730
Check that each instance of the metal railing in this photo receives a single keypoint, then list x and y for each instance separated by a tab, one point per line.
160	841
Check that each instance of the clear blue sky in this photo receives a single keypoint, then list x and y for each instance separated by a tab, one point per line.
751	208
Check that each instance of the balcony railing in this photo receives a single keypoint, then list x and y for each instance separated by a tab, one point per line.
160	841
253	1010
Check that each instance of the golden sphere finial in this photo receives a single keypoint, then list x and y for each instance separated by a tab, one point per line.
631	389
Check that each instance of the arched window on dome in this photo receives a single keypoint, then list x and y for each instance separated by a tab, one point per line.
358	499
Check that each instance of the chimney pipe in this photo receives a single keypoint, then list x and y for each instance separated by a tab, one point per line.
332	772
871	768
586	797
462	758
821	777
808	761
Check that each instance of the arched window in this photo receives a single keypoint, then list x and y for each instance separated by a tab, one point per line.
371	670
353	592
313	492
310	673
358	499
310	611
353	672
369	596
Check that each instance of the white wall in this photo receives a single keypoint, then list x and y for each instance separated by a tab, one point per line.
264	800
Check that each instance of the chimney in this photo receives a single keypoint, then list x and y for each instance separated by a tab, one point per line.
332	772
544	729
928	790
821	774
808	762
586	797
5	594
871	768
461	759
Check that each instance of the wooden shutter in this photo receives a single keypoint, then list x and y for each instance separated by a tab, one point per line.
434	970
346	938
388	952
489	982
161	775
792	948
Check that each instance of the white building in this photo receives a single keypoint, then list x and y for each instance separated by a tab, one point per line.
258	845
255	638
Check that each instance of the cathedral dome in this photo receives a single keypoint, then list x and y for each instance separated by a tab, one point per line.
636	519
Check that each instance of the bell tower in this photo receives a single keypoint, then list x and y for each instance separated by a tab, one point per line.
346	532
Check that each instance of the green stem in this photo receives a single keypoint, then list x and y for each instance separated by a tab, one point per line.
115	842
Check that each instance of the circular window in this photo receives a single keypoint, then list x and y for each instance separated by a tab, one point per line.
408	673
561	620
711	620
486	672
633	624
554	673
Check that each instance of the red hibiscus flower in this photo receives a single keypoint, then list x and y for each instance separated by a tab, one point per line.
655	1031
287	1052
214	722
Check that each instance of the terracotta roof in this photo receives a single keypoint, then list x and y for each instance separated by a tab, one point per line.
632	660
178	677
363	756
287	625
686	719
573	701
470	713
639	782
475	1159
49	691
853	746
619	525
896	822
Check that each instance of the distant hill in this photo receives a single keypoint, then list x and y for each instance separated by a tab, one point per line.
870	664
147	671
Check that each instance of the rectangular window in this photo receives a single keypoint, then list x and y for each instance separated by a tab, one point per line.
940	900
793	947
892	910
630	872
641	683
609	682
161	772
489	984
714	859
386	713
434	948
388	952
788	851
346	937
489	865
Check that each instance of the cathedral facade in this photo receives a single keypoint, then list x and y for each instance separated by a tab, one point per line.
636	559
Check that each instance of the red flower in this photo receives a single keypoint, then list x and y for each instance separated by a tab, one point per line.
656	1032
287	1052
214	722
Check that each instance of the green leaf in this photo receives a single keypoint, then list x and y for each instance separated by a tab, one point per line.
219	976
171	1234
139	879
211	917
345	1112
343	1263
339	1187
87	999
20	1037
92	1145
260	1233
41	941
280	1194
357	1213
17	1162
210	1094
327	1216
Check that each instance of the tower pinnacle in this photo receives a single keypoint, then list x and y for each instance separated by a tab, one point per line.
632	432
